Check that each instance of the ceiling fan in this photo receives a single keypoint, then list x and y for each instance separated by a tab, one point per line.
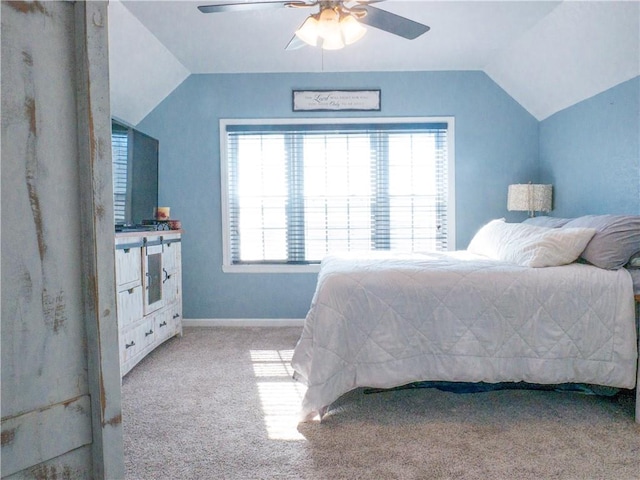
337	23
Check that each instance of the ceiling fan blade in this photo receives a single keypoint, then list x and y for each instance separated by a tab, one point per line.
243	6
390	22
295	44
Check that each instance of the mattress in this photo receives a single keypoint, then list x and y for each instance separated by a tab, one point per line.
384	321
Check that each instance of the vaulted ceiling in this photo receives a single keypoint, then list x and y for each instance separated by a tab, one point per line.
548	55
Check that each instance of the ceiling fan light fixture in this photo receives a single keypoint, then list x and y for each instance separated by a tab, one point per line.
352	30
308	32
332	42
331	29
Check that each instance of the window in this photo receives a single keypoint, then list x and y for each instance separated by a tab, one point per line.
119	151
295	191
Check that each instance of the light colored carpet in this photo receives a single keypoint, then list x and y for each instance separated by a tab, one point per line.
219	403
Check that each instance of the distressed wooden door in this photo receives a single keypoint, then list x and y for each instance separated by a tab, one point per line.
61	415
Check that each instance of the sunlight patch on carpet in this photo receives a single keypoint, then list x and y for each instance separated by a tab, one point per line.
280	395
272	363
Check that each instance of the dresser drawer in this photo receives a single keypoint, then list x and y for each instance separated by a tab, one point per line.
128	267
130	345
129	306
147	333
168	323
136	340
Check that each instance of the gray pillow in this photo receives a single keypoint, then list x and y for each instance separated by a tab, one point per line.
546	221
616	240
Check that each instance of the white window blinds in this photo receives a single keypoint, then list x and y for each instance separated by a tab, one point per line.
297	192
119	152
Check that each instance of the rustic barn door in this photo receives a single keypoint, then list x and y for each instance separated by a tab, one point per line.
61	414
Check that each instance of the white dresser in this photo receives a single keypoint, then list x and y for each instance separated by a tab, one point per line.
149	287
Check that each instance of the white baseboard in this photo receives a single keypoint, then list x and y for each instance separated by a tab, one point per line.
242	322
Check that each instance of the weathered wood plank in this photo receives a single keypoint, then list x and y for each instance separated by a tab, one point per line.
69	466
41	435
97	223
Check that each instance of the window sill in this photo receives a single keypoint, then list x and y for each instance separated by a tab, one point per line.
315	268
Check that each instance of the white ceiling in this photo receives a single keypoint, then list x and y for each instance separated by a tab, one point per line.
547	55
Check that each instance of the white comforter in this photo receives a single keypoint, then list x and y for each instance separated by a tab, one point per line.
385	321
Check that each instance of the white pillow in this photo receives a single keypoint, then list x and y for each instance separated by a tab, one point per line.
529	245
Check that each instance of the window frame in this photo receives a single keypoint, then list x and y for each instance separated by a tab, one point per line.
229	267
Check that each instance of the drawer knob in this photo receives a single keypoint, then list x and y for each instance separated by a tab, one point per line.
148	333
128	345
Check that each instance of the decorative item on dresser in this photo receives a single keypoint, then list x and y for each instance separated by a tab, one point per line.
149	286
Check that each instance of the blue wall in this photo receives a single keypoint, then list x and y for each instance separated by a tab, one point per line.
496	143
590	152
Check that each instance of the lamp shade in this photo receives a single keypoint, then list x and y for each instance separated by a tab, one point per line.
352	30
529	197
308	32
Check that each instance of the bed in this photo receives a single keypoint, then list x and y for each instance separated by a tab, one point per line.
524	303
